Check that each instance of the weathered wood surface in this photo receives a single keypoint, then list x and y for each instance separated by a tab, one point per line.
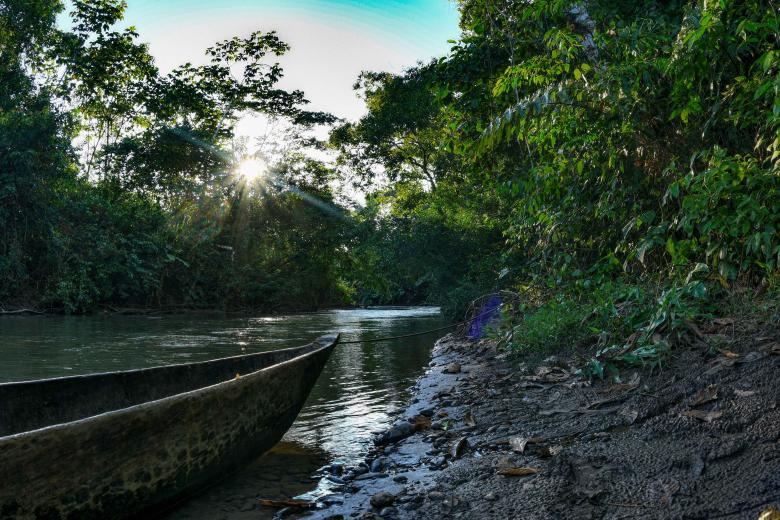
127	462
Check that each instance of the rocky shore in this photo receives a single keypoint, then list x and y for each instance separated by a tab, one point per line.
488	436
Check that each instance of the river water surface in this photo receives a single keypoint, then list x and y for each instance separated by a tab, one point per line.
360	387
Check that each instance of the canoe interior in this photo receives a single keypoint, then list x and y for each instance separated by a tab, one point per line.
32	405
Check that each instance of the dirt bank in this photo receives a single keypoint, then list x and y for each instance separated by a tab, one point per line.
489	437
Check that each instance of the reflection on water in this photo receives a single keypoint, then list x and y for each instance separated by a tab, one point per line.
359	387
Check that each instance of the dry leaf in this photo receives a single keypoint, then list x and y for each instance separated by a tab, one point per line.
459	448
729	354
421	422
518	472
744	393
702	415
722	322
518	444
469	419
705	395
770	513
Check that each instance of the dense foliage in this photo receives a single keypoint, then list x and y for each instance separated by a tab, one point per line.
115	187
611	161
596	156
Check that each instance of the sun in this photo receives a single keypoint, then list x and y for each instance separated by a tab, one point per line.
252	169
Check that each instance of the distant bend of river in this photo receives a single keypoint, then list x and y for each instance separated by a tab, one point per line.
358	390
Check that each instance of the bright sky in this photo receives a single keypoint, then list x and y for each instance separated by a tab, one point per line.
332	40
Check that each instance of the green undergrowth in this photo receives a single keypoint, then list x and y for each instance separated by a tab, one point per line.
622	324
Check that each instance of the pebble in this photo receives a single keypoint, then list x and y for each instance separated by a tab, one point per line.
388	512
436	495
378	464
400	430
369	476
490	497
400	479
452	368
382	499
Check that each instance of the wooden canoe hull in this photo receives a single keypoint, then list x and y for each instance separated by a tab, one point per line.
130	462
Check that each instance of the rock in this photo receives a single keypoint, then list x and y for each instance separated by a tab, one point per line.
382	499
435	495
369	476
427	412
400	479
333	498
452	368
337	468
388	512
335	480
400	430
490	496
377	465
437	463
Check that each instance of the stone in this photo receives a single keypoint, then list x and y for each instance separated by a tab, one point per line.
452	368
400	479
427	412
377	465
382	499
388	512
399	430
369	476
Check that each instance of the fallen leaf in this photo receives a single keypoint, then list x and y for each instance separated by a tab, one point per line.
770	513
744	393
702	415
421	422
518	444
302	504
774	350
518	472
729	354
238	376
705	395
722	322
459	448
469	420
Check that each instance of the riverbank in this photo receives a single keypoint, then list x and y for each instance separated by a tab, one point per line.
487	436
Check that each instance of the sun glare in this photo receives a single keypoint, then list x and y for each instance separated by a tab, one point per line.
251	169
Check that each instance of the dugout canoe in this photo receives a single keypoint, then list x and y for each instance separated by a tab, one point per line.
131	444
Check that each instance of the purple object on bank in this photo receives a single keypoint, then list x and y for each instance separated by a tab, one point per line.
487	314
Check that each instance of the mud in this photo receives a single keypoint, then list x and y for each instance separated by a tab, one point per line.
698	439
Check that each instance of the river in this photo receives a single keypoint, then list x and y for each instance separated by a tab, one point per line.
360	387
